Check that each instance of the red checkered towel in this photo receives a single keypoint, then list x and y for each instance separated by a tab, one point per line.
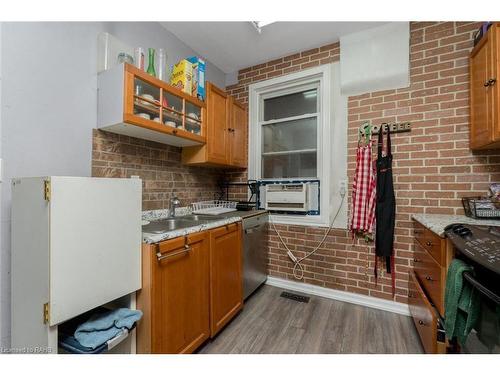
364	192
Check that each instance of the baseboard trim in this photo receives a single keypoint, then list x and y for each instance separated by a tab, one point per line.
338	295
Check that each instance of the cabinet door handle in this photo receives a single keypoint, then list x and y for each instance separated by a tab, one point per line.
416	260
428	243
421	322
428	278
161	256
490	82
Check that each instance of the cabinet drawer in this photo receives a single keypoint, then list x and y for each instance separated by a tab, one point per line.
424	316
430	274
430	241
228	228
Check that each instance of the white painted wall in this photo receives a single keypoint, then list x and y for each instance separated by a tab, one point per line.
3	288
152	34
48	108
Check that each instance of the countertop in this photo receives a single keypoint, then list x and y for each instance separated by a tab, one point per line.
227	218
437	222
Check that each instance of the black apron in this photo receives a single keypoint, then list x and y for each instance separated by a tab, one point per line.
385	211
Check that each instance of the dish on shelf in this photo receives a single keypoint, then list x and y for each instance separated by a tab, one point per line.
144	115
157	119
147	103
193	116
171	123
148	97
146	107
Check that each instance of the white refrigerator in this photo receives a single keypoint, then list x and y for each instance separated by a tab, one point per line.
75	246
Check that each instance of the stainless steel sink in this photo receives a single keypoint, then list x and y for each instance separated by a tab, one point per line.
194	217
174	223
166	225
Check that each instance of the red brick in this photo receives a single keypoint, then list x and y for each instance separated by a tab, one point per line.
433	166
309	52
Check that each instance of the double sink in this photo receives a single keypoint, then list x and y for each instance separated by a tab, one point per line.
178	222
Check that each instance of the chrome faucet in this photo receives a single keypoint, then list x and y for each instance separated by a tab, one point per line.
174	202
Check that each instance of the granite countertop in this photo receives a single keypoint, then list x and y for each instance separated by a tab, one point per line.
437	222
228	218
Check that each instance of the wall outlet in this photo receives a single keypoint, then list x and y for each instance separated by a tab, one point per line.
342	187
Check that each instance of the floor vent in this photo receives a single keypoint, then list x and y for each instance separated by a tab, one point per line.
295	297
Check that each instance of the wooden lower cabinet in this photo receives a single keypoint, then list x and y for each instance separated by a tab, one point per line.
175	295
431	257
226	281
424	316
430	274
191	288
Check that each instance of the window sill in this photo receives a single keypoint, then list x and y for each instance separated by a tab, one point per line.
306	220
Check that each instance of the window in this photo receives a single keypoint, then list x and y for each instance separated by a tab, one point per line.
289	135
298	130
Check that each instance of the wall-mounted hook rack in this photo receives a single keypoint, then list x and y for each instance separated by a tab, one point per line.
396	127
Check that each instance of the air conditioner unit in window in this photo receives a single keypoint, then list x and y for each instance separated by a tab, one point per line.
291	197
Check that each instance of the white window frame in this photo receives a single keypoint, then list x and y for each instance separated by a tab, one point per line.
261	123
331	133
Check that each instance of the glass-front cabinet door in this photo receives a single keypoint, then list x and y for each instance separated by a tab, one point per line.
155	105
193	117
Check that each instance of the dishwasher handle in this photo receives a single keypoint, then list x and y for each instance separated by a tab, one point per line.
253	229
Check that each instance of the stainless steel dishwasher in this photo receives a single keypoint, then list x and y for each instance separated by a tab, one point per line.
255	252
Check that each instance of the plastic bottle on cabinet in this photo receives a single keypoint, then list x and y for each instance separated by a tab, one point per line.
139	57
162	64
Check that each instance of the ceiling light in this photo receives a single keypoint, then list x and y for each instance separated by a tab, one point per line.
260	24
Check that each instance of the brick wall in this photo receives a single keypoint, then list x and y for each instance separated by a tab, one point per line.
157	164
433	166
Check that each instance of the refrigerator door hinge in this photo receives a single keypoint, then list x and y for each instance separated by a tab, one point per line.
46	313
46	190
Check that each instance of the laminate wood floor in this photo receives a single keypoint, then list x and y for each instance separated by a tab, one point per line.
272	324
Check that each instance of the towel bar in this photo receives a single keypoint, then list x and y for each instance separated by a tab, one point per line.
160	256
485	291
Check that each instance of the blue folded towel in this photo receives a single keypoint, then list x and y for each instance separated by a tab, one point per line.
103	327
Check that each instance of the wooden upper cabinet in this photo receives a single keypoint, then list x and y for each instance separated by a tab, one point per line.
133	103
226	281
484	97
227	130
217	134
174	295
238	133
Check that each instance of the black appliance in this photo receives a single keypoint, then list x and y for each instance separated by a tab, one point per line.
247	205
479	246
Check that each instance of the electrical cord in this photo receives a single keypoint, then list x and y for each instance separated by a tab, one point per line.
298	268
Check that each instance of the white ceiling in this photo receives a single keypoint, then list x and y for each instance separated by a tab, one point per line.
232	46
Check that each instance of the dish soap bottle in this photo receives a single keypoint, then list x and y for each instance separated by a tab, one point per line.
151	65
